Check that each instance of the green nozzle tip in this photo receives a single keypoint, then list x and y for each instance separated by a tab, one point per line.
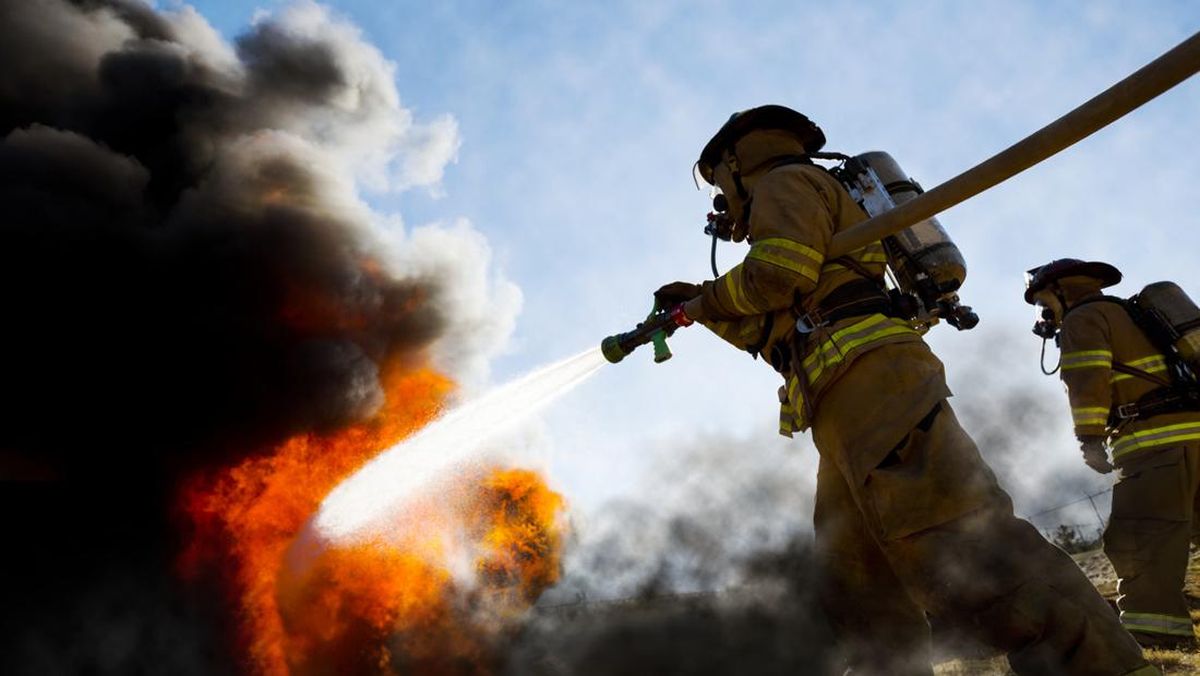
612	350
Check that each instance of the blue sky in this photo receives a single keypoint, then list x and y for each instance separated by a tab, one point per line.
580	123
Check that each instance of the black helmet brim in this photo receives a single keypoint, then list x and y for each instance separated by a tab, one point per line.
1108	275
763	117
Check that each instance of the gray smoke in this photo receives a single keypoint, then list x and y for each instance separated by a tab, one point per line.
715	574
1021	421
712	575
717	504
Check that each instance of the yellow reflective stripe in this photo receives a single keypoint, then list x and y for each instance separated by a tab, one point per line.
1154	437
856	327
871	253
833	351
832	344
1087	359
789	255
737	296
1173	625
1090	415
796	401
836	349
806	271
1154	364
1146	361
793	246
1118	377
1087	353
785	423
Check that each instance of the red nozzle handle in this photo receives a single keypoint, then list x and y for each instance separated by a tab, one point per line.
680	317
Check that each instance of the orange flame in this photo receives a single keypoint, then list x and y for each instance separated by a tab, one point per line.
378	606
520	550
395	605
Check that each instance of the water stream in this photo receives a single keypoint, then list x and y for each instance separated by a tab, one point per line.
381	486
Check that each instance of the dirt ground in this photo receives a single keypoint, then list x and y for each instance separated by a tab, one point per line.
1096	566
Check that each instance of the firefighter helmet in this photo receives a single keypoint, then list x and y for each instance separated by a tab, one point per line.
1040	277
762	117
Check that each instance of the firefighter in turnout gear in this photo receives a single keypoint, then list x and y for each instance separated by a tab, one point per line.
909	519
1111	369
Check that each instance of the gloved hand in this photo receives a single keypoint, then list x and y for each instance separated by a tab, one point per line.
675	293
1095	455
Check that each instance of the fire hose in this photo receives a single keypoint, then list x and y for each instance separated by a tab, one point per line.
1112	104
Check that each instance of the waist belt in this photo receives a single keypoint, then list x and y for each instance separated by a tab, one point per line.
1156	402
858	298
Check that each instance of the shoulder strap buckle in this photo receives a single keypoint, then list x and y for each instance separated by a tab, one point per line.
1128	411
809	322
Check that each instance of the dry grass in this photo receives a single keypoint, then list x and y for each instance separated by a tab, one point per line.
1174	661
1095	565
994	667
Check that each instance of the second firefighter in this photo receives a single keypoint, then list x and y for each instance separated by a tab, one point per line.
1126	395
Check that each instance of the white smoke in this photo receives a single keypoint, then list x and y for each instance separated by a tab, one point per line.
362	124
361	139
481	306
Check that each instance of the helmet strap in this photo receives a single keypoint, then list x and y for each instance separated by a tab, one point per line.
736	171
1062	298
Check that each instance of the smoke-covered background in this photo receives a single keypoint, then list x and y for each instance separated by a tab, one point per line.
711	569
188	274
203	255
711	572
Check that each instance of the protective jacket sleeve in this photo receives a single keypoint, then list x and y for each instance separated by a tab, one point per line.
1087	359
790	227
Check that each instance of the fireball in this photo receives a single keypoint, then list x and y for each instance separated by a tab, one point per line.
433	594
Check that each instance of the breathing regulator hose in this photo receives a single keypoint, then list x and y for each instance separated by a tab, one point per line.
1043	361
712	257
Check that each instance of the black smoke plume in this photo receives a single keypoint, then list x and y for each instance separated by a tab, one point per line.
178	269
186	274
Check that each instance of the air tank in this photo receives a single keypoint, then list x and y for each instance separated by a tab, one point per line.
924	247
1176	311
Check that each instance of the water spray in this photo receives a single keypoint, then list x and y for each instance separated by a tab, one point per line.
368	503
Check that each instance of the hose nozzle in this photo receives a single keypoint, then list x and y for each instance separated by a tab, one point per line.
658	326
612	349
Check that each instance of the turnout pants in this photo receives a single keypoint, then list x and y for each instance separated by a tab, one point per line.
1147	540
923	527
